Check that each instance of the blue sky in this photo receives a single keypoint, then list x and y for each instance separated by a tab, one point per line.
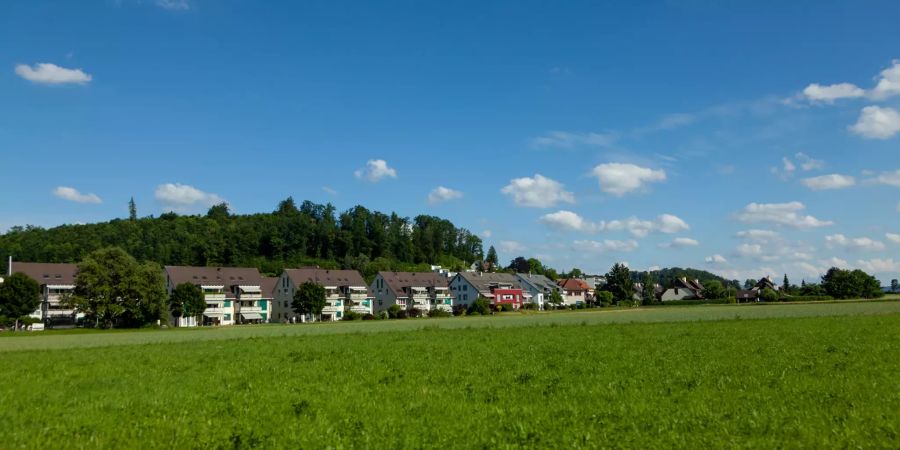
746	138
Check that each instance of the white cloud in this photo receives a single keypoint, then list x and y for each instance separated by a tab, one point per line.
487	233
567	221
443	194
749	250
510	247
375	171
667	223
893	237
181	197
717	259
564	139
831	181
619	179
860	243
887	178
878	265
329	190
606	245
72	195
680	242
757	235
828	94
174	5
537	192
889	82
876	122
47	73
807	163
787	214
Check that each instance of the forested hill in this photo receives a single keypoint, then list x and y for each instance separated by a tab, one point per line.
290	236
667	275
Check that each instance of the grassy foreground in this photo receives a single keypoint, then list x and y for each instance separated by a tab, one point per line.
791	382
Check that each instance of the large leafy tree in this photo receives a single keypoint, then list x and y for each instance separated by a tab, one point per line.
187	300
648	292
19	297
113	289
840	283
309	299
713	289
618	282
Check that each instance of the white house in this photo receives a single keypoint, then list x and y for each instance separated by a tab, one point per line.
424	291
498	288
56	281
234	295
345	290
538	288
683	289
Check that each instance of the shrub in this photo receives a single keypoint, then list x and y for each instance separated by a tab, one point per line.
768	295
480	306
529	306
439	313
402	314
368	317
506	307
415	312
394	311
605	298
351	315
459	310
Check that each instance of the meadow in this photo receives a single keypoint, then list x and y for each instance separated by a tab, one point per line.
716	376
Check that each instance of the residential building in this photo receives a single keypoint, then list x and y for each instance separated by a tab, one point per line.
639	291
683	289
234	295
766	283
595	281
539	287
424	291
576	291
56	281
345	290
498	288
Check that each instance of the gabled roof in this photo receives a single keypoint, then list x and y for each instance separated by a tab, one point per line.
574	284
227	277
326	277
47	273
484	282
539	282
268	286
684	283
400	282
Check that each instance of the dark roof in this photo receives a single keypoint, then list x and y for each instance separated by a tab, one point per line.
268	286
573	284
540	282
484	282
747	294
399	282
326	277
214	276
685	283
47	273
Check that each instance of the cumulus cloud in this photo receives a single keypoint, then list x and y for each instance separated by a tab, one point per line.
680	242
511	247
182	197
716	259
876	122
878	265
568	221
831	181
486	233
860	243
606	245
749	250
664	223
443	194
564	139
329	190
375	171
807	163
73	195
893	237
174	5
828	94
887	178
619	179
537	192
786	214
888	82
757	235
47	73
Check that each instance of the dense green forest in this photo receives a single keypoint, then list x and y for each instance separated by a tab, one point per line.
290	236
668	275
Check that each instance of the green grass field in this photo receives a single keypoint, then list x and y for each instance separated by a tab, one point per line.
816	375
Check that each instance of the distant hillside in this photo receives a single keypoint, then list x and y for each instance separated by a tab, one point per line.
667	275
290	236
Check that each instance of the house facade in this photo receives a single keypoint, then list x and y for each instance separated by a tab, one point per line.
234	295
345	290
539	287
57	281
498	288
575	291
639	291
683	289
424	291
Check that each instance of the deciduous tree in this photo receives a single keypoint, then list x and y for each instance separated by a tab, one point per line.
19	297
309	299
188	299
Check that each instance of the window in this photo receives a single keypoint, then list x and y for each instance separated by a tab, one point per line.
262	305
338	315
227	303
466	297
465	287
227	317
380	302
